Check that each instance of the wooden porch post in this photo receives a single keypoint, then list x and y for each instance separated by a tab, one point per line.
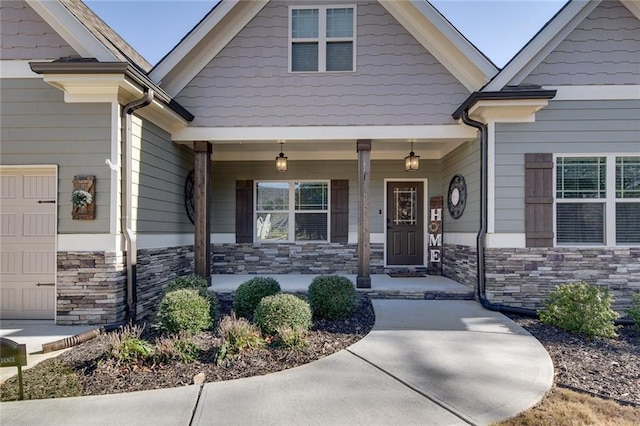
202	201
363	147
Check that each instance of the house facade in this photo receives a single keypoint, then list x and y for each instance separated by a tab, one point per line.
527	177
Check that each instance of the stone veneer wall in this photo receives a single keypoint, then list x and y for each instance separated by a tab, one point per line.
291	258
91	288
524	276
459	263
156	267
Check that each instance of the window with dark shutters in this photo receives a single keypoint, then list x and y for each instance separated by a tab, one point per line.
244	211
339	211
538	187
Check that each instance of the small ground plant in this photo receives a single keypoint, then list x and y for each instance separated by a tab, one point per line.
126	346
634	310
282	311
292	338
250	293
237	335
176	347
580	308
332	297
184	310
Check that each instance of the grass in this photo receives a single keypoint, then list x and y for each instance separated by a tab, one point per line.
48	379
563	407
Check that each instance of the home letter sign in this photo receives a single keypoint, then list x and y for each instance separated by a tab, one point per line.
435	235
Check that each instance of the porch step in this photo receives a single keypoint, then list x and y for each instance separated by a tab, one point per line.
418	294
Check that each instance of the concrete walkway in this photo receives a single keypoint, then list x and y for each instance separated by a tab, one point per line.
425	362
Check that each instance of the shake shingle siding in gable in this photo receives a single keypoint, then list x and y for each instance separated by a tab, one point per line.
564	127
396	81
603	49
26	36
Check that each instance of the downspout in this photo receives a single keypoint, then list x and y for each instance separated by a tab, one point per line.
127	202
482	232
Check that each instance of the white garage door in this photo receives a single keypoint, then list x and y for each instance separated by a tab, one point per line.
27	251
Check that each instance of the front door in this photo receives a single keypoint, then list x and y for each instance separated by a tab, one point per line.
405	223
28	232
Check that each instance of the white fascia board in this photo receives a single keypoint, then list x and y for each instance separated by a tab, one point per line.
445	131
633	6
600	93
440	39
507	110
90	242
542	44
16	69
71	30
189	59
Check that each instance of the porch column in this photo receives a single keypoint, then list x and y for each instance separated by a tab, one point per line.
363	147
202	201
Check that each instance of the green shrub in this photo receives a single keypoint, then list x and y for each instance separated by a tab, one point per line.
194	282
249	294
126	346
237	335
292	338
282	311
184	310
580	308
634	310
176	347
332	297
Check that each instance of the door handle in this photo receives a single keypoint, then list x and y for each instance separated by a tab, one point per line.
45	284
46	201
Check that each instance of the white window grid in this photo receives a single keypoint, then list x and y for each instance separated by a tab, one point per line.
291	211
609	201
322	38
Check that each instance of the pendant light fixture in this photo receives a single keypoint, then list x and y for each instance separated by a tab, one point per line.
281	161
412	161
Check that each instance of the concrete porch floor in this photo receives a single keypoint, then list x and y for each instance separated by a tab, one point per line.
381	284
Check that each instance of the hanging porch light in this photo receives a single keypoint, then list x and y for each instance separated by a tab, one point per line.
412	161
281	161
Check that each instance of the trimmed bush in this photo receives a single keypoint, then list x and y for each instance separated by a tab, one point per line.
282	311
251	292
184	310
194	282
332	297
634	310
580	308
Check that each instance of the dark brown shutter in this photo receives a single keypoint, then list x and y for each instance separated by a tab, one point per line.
339	211
538	193
244	211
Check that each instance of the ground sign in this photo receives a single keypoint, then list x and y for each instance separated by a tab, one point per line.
13	354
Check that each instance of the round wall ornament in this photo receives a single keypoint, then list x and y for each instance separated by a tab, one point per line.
457	196
189	202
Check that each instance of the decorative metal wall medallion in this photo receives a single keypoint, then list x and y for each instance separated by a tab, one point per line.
457	196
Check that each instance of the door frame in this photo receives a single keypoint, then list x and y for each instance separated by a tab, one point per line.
56	171
425	216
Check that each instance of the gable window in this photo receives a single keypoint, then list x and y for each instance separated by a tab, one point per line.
322	38
292	211
597	200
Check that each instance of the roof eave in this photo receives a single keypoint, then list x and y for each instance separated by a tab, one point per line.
502	95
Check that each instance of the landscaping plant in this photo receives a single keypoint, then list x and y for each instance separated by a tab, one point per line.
282	311
332	297
249	294
194	282
580	308
176	347
291	338
634	310
237	335
184	310
127	347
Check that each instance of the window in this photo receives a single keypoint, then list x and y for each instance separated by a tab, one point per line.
597	200
292	211
322	39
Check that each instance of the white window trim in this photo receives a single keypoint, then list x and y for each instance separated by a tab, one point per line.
609	201
292	211
322	37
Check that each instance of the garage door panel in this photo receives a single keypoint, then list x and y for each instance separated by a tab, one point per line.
28	230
